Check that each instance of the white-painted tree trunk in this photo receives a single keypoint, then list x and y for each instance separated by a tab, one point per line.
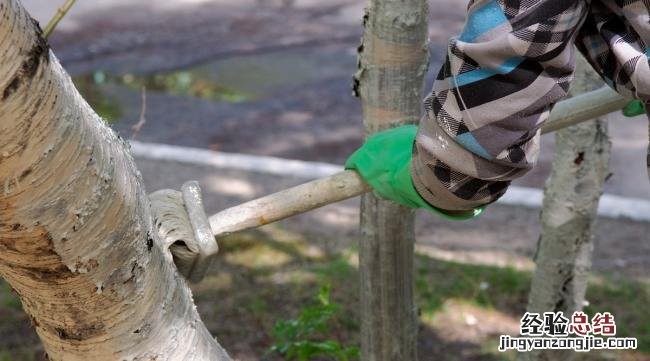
393	59
571	195
76	237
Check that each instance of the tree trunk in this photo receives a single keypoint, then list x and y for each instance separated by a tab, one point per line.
393	59
571	198
76	237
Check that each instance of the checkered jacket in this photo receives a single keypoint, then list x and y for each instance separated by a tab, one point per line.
501	77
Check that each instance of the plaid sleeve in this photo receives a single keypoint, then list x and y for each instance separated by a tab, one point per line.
615	39
512	62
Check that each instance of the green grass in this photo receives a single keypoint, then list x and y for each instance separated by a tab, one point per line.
500	289
490	349
261	278
104	105
23	354
8	299
192	83
628	301
507	291
336	269
490	287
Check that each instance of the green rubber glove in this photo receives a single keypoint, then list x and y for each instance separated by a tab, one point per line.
383	161
634	108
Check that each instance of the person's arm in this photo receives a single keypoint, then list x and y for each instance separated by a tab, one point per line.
500	79
615	39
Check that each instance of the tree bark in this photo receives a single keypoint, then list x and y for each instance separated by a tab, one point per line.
571	195
76	237
393	59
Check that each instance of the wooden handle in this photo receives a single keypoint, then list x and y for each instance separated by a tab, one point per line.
348	184
289	202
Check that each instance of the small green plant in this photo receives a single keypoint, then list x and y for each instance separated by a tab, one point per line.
304	338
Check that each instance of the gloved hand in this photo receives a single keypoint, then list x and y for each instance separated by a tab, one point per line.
634	108
384	160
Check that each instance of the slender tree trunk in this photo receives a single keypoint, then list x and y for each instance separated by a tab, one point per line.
647	159
393	59
76	237
563	258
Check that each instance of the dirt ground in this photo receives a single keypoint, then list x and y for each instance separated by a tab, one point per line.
288	64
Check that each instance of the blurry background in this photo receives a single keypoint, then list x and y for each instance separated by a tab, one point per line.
273	77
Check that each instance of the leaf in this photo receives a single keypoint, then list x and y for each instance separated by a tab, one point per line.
302	338
324	295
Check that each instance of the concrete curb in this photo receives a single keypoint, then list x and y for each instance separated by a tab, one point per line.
610	206
238	161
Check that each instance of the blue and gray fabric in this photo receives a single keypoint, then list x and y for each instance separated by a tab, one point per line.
513	61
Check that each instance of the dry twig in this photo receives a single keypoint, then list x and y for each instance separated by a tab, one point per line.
143	109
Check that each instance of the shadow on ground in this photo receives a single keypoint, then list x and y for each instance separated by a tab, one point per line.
269	274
